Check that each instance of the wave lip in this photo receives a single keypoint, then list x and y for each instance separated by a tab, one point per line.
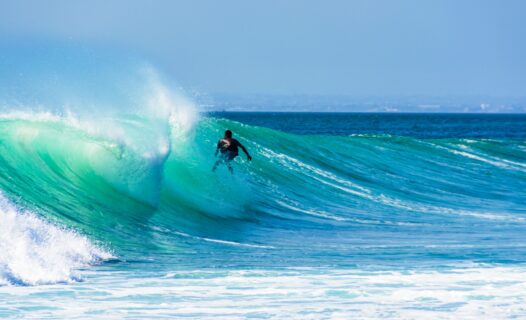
35	252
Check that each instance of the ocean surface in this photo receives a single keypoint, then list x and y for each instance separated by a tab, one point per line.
338	216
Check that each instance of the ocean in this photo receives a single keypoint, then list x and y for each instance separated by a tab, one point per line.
338	216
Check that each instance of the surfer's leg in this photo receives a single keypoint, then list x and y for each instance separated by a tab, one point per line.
216	164
228	161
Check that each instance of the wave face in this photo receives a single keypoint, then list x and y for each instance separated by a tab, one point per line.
145	188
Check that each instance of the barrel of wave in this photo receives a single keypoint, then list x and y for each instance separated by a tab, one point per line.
77	175
190	185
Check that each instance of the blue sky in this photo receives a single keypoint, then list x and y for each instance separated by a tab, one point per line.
330	47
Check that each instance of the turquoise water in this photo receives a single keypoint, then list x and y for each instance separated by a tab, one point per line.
109	208
122	216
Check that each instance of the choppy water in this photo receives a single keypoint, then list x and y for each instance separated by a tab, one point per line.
117	214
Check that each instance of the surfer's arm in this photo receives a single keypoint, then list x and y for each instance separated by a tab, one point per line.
245	151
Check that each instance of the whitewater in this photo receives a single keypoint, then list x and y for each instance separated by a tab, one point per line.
115	213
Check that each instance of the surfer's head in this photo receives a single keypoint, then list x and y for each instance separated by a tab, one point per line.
228	134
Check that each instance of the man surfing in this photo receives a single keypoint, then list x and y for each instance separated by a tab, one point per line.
228	148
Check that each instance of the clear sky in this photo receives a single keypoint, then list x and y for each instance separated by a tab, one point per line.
391	47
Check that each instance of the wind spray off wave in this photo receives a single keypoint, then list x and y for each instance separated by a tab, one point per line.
72	157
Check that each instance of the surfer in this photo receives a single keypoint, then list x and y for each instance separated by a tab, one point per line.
228	148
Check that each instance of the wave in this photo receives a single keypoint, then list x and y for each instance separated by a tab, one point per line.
139	167
137	182
127	174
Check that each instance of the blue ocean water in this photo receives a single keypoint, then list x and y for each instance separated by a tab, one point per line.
419	125
367	215
109	207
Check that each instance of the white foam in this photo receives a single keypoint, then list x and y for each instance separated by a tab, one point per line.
320	214
301	293
224	242
34	251
494	161
334	181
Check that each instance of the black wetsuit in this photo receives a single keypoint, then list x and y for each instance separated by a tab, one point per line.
228	151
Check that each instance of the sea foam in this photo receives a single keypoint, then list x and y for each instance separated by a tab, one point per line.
34	251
